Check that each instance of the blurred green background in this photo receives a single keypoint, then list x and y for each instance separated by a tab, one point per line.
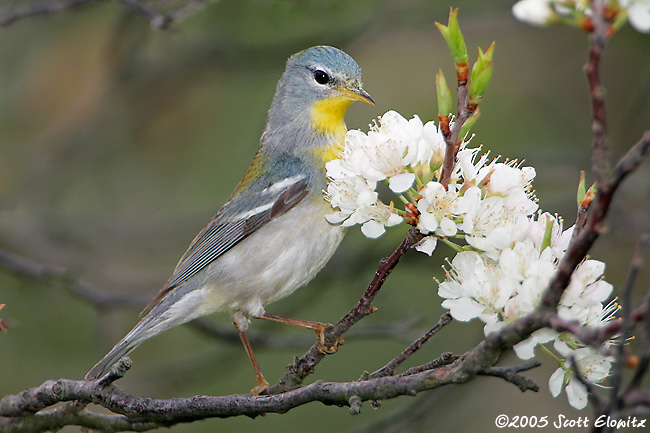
118	143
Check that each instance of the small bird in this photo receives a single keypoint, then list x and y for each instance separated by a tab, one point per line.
271	237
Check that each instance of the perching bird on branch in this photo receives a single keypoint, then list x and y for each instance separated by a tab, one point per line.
271	237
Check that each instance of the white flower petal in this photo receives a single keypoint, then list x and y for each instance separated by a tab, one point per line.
525	349
336	217
534	12
639	16
577	394
447	227
562	348
428	223
401	182
393	220
556	382
596	293
427	245
372	229
492	327
449	290
544	335
463	309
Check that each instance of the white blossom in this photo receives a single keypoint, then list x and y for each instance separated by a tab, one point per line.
439	207
358	203
638	14
534	12
389	149
593	367
507	283
544	12
485	200
395	151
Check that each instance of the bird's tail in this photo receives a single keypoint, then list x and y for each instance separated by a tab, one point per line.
145	329
175	309
122	348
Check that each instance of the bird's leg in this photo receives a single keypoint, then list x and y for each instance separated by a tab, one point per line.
262	383
317	327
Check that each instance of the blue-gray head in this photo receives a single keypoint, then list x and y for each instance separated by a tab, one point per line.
318	85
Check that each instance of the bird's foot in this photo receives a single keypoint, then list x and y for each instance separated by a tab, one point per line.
262	385
320	330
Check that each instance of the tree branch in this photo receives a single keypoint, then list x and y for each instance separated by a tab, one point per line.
158	21
10	15
144	413
172	411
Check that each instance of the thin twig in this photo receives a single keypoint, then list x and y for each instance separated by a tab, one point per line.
644	349
463	113
400	330
582	241
444	359
626	322
101	299
10	15
598	41
510	374
159	21
589	224
595	337
389	369
140	9
165	20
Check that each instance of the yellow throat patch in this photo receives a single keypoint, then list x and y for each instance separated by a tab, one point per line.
327	119
327	115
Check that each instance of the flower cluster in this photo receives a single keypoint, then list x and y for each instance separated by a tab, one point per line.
408	155
393	152
501	287
507	251
545	12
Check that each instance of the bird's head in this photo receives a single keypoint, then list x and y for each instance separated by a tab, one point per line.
318	85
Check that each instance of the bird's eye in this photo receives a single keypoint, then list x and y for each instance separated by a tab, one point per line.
321	77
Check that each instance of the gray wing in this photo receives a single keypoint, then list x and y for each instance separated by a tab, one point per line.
234	222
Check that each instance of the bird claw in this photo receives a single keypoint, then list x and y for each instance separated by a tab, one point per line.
262	385
322	347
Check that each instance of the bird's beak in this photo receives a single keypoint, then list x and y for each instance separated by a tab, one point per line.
356	93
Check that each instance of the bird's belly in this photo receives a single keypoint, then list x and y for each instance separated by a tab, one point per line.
277	259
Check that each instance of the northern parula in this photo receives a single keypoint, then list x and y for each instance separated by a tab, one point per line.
271	236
